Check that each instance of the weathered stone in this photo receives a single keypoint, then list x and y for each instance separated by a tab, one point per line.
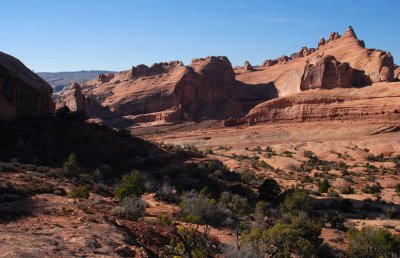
22	92
327	72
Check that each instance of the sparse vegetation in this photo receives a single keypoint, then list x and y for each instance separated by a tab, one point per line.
130	208
370	243
132	184
80	192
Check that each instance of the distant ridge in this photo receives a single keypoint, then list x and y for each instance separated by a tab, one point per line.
60	80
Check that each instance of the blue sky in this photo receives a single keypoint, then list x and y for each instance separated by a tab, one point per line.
67	35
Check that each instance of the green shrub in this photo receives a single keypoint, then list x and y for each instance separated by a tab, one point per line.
200	209
132	184
130	208
269	190
346	190
296	201
71	166
60	191
372	189
324	186
164	220
298	236
213	165
79	192
336	220
372	242
332	193
248	176
239	205
397	188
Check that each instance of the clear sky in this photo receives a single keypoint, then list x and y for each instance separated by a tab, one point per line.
68	35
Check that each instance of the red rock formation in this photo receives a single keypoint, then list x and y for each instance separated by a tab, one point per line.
247	66
206	88
105	77
397	73
375	102
334	36
302	53
370	65
73	98
269	62
321	43
327	72
22	92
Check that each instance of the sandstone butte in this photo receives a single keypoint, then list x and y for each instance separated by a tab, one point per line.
209	88
314	84
22	92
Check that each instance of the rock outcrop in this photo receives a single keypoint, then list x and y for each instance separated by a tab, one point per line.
247	66
73	98
204	89
327	73
369	65
375	102
22	92
397	73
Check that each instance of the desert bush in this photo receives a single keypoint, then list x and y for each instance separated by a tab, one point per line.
336	220
60	191
390	212
214	165
296	201
372	242
288	154
309	154
248	176
130	208
397	188
166	193
71	165
245	250
164	219
239	205
298	236
324	186
372	189
269	190
378	158
346	190
131	184
200	209
190	242
79	192
332	192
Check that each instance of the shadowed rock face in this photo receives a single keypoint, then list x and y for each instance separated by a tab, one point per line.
22	92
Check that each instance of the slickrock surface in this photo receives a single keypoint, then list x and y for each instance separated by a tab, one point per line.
22	92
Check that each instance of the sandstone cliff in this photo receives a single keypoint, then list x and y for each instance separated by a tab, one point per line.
204	89
73	98
358	65
22	92
373	102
